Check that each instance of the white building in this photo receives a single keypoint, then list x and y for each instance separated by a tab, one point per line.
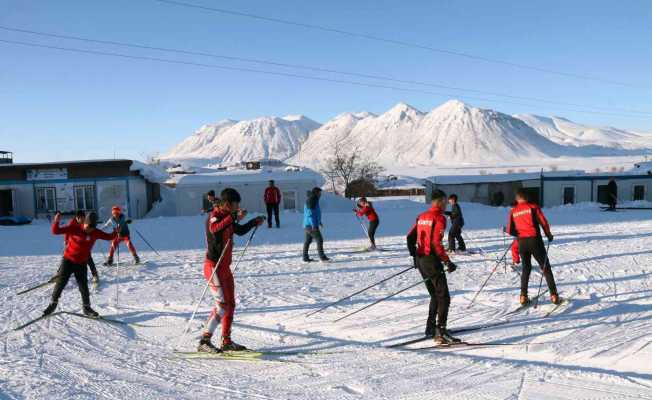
293	182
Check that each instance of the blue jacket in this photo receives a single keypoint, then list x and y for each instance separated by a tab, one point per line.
312	212
120	222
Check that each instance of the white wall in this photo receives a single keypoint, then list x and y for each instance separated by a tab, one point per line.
553	192
137	197
109	194
189	198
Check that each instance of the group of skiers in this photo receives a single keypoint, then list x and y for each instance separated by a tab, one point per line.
224	219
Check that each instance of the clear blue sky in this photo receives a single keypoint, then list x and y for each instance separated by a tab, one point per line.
56	105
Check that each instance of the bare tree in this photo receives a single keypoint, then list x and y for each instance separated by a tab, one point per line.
345	165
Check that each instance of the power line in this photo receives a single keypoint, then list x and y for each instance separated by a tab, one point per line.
404	44
284	74
314	68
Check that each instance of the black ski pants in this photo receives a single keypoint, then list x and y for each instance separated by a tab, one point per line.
455	233
317	237
273	208
373	225
440	299
67	269
534	247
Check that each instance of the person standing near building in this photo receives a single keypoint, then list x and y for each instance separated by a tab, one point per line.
81	239
524	222
220	227
367	209
457	223
120	224
207	202
424	243
312	224
272	199
612	193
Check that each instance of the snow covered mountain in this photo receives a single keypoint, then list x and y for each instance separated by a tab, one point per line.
569	133
231	141
406	137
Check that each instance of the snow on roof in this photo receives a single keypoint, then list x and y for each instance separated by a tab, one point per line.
399	182
498	178
247	176
152	173
72	162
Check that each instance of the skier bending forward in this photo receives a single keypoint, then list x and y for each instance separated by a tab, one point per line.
220	227
424	243
81	239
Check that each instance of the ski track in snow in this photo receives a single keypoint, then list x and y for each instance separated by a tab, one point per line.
597	348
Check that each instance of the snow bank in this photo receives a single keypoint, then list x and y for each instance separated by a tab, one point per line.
152	173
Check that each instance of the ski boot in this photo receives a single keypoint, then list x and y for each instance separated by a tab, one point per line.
230	345
307	259
50	309
324	259
136	260
205	346
443	337
108	262
523	299
554	299
89	312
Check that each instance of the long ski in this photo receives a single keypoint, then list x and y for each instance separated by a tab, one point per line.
49	282
409	342
105	319
563	305
466	344
35	320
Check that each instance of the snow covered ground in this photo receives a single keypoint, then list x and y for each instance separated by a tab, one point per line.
598	348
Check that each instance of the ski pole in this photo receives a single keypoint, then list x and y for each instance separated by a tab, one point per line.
192	317
359	291
251	237
117	270
498	262
384	298
543	272
146	242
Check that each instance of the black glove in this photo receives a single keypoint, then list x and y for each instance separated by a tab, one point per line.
549	236
451	266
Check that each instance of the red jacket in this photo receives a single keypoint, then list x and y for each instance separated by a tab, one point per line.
524	221
429	231
66	237
220	228
272	195
369	212
80	243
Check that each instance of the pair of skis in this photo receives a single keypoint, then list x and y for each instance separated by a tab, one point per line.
74	314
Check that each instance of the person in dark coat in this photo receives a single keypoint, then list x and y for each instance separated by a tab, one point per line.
457	222
612	194
207	202
272	199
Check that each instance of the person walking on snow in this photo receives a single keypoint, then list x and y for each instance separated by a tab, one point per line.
524	221
78	220
312	224
207	202
220	227
612	193
457	222
367	209
120	223
81	239
424	243
272	199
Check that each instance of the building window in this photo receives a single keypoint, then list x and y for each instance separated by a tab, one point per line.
85	197
290	200
46	199
568	195
638	193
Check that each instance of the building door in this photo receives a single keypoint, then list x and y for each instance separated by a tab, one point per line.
603	194
638	193
46	199
290	200
6	203
568	196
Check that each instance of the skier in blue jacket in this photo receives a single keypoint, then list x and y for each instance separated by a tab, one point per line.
311	225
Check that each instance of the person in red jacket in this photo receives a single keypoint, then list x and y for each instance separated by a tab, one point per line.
424	243
272	201
81	239
524	221
220	227
367	209
78	220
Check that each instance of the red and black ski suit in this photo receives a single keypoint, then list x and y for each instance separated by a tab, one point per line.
220	227
79	245
425	244
272	199
525	221
369	212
